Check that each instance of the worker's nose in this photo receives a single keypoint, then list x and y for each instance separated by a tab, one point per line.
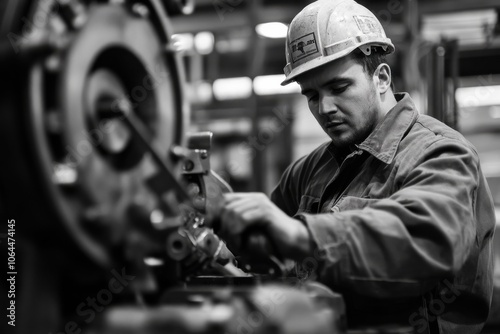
327	104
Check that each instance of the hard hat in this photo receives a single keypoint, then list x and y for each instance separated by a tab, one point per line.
327	30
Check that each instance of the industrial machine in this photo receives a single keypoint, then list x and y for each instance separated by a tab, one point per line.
115	204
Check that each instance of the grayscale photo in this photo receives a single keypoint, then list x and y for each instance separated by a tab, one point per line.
250	166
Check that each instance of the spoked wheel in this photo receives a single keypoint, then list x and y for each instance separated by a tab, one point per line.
75	169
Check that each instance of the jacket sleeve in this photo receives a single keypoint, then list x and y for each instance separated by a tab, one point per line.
422	233
286	195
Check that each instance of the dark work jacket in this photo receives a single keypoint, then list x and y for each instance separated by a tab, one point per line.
403	227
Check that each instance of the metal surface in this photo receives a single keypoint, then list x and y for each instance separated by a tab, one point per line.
77	150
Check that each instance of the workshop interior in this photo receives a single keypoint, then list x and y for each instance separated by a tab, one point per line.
123	123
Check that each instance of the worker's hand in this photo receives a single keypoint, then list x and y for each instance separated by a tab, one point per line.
245	210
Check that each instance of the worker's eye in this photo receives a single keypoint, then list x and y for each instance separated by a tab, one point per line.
312	97
338	89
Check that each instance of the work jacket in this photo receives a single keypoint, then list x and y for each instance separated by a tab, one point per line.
402	227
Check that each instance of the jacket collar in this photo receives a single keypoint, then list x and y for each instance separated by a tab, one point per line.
384	141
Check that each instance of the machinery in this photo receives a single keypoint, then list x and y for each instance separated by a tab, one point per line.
115	204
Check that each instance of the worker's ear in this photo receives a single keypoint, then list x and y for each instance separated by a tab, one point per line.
382	78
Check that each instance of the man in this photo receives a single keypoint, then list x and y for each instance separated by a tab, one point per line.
394	212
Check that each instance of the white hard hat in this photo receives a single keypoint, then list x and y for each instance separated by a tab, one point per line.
327	30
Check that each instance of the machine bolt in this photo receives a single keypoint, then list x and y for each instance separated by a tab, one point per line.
72	13
188	165
156	217
140	10
64	175
176	7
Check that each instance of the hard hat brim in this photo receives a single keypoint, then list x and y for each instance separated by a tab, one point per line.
322	60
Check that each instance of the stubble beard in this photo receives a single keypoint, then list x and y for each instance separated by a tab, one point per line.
356	135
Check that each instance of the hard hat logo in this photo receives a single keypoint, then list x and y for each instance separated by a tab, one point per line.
368	25
327	30
303	47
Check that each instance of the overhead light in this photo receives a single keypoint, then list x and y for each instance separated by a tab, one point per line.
153	262
478	96
64	174
271	85
204	42
156	217
232	88
272	29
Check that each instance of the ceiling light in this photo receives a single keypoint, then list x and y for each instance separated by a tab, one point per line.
478	96
272	29
232	88
271	85
204	42
153	262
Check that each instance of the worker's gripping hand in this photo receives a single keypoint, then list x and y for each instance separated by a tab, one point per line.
242	211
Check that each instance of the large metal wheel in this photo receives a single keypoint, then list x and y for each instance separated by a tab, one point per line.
69	169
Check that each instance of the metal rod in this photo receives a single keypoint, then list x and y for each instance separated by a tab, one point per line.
140	132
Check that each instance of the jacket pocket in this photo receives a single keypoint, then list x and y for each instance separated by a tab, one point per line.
308	204
352	203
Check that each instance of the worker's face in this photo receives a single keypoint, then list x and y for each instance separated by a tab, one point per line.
344	100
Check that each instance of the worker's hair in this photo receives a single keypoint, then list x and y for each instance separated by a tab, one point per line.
371	62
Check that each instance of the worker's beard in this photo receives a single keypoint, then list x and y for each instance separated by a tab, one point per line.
345	139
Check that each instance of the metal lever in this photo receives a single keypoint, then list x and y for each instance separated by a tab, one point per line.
261	256
108	109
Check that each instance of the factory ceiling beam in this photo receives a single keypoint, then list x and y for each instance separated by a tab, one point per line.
237	18
445	6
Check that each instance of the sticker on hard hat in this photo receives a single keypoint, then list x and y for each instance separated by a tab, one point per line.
368	25
303	47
